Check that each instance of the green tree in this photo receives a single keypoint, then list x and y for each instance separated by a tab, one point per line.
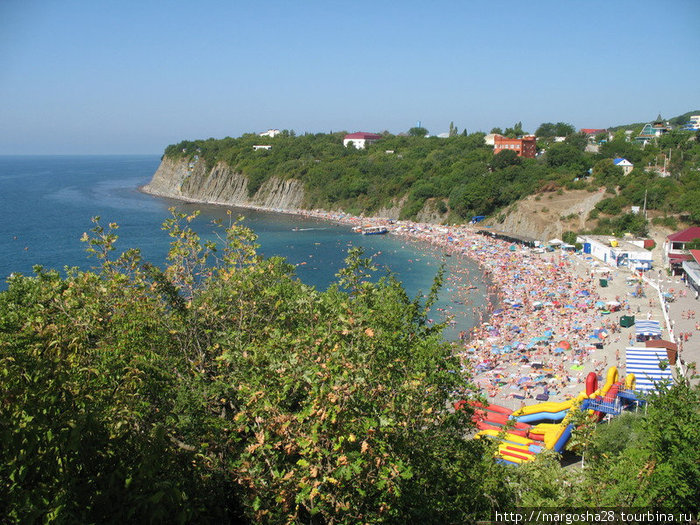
549	130
417	132
516	131
563	129
606	173
577	140
546	130
504	159
563	154
220	388
453	130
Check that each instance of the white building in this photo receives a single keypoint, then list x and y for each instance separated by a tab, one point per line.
625	164
360	139
693	123
270	133
629	253
490	139
262	146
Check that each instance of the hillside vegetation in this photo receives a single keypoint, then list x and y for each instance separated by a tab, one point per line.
461	177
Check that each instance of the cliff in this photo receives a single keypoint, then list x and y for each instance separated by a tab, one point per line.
548	215
193	181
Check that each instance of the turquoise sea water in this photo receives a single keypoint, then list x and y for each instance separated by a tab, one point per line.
46	203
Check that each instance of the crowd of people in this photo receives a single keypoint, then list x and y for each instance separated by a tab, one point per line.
547	324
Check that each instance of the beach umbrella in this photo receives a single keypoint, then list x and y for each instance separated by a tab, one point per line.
565	345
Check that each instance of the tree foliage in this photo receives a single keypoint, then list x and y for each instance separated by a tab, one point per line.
418	132
549	130
364	181
220	389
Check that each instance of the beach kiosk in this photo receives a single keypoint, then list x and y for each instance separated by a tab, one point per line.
626	321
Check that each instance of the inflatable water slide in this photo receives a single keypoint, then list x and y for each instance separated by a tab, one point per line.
524	433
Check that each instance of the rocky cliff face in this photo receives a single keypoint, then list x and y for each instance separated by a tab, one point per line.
192	181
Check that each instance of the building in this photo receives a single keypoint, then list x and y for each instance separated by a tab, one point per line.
262	146
675	247
630	253
625	164
693	123
691	268
653	130
270	133
592	132
489	139
360	139
524	146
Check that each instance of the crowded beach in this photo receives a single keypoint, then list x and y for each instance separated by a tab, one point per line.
550	323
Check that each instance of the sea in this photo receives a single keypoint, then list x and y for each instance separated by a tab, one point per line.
47	202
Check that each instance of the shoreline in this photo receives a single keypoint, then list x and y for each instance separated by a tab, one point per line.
537	304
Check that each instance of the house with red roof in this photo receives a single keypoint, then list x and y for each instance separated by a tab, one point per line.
361	139
593	131
675	247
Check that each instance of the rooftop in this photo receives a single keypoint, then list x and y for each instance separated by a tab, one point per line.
622	244
686	235
363	135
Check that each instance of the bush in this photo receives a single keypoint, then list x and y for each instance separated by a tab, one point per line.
668	222
569	237
211	392
609	206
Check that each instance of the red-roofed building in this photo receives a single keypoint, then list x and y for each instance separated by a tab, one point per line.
591	131
524	147
675	249
360	139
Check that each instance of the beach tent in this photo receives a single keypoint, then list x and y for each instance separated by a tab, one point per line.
646	365
648	328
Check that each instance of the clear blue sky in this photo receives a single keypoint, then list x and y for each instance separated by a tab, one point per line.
131	76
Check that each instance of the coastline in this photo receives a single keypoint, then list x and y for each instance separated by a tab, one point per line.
509	366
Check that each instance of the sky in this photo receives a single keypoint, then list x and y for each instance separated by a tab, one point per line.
133	76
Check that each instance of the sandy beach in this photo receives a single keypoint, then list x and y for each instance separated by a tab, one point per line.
552	322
